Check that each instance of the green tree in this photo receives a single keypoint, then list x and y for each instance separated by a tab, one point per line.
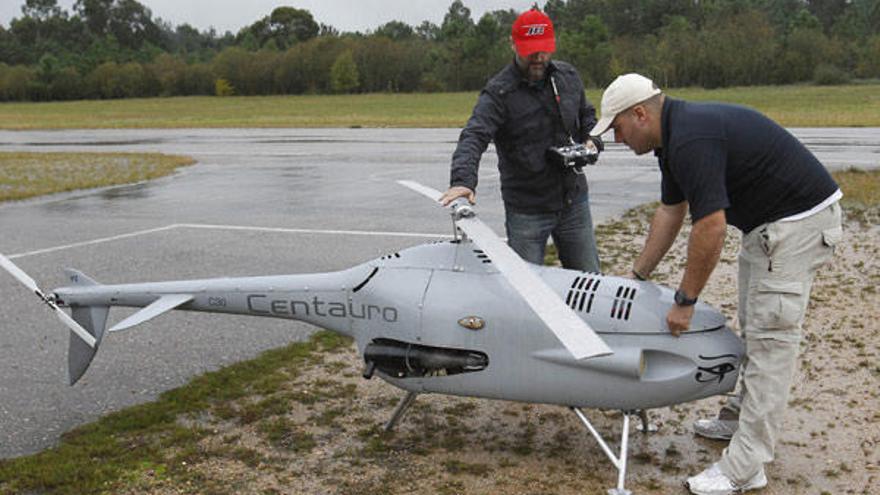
198	79
169	71
457	23
344	73
249	73
48	68
827	11
678	48
129	80
292	25
428	31
869	58
15	81
738	51
128	21
285	25
635	54
42	10
589	49
67	85
454	33
803	50
396	30
305	67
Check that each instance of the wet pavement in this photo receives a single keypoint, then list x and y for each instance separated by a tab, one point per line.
259	201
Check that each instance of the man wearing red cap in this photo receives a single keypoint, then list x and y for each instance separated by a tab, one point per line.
532	105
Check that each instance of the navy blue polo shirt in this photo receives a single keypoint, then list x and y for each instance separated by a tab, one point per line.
721	156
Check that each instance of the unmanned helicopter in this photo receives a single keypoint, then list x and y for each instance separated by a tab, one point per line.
463	317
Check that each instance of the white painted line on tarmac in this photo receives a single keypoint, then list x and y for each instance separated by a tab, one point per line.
314	231
90	243
228	227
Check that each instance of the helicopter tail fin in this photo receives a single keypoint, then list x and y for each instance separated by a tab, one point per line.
94	320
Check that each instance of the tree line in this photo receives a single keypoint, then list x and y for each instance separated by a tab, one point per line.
116	49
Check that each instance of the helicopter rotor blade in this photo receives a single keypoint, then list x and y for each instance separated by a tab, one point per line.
421	189
574	333
571	330
28	282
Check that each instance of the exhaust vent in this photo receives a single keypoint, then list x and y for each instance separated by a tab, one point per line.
400	359
581	294
622	305
482	256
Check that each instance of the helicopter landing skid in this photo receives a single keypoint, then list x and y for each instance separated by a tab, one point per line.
618	461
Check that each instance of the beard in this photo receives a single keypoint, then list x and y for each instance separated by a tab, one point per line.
536	71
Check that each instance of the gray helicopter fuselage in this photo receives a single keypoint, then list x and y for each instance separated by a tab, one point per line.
440	318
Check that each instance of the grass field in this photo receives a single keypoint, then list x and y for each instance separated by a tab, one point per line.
855	105
25	175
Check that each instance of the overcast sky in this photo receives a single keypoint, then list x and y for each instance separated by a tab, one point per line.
345	15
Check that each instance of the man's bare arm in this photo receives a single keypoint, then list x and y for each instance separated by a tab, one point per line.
665	226
704	250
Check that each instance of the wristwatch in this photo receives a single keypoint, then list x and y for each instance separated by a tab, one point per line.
682	299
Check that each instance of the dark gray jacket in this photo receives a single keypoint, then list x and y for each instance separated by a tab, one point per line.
523	120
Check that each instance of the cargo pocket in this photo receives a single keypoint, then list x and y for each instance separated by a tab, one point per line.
777	305
832	237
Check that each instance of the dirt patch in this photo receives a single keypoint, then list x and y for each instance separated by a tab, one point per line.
321	431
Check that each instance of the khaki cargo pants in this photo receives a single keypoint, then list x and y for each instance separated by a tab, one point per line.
777	263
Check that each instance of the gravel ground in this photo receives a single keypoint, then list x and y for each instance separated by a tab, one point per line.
331	441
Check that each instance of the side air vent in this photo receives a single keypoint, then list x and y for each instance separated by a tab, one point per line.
622	305
581	294
390	256
482	256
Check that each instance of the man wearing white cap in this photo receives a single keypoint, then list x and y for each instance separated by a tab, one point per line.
529	107
728	164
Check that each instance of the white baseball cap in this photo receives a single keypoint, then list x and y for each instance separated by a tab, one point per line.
625	91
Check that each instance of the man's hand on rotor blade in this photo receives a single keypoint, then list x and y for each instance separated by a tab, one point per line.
457	192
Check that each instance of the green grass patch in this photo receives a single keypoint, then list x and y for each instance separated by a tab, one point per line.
24	175
860	188
96	457
455	466
285	434
861	194
854	105
792	106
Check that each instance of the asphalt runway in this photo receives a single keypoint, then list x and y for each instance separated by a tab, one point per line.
259	202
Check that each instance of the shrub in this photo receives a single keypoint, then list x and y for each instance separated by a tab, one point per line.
222	87
829	75
198	79
344	73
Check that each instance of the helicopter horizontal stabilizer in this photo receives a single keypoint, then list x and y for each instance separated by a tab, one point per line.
574	333
162	305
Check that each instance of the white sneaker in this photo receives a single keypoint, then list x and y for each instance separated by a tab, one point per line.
713	482
717	429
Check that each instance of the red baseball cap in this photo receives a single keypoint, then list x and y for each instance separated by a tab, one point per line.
533	32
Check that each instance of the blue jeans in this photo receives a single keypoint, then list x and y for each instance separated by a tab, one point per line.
572	231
